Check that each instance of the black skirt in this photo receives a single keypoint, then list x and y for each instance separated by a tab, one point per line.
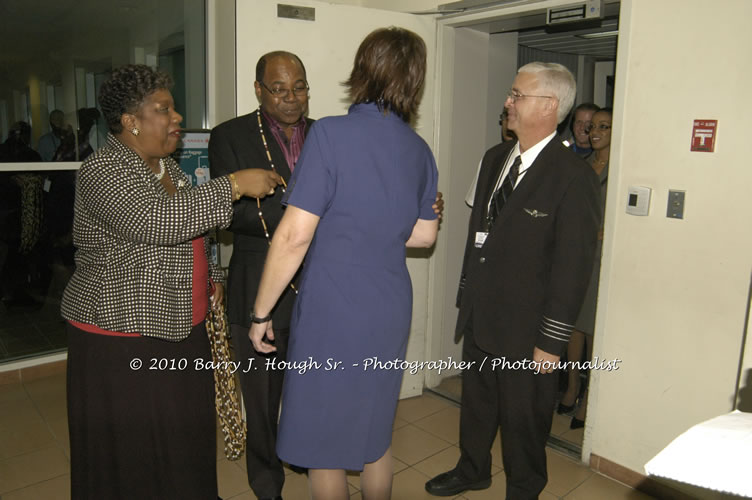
141	417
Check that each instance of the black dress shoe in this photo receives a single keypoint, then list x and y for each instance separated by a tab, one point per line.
271	498
453	483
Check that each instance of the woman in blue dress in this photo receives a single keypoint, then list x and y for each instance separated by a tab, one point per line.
362	192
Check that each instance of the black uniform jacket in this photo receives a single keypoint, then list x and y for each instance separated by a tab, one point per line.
524	287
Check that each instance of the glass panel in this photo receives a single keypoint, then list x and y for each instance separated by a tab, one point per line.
56	55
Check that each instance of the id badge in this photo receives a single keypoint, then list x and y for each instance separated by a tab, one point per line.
480	239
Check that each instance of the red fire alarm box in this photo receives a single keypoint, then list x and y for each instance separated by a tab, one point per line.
703	135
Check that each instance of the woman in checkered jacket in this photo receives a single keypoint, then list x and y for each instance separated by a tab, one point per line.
140	394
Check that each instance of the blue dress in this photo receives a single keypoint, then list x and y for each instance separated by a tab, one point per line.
369	177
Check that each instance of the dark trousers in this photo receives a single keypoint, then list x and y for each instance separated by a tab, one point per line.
262	390
519	402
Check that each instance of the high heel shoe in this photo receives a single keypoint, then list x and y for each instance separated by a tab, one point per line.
576	423
565	409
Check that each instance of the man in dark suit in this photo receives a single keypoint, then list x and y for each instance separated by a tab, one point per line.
270	138
528	256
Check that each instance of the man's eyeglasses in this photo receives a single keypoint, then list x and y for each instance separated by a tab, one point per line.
603	127
281	93
515	96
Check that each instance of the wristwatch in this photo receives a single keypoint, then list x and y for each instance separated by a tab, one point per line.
256	319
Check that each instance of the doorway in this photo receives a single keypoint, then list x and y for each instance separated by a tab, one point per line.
491	46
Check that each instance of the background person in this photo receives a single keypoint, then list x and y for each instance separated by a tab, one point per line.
75	145
580	125
269	139
365	185
506	135
50	141
21	220
140	292
17	146
582	337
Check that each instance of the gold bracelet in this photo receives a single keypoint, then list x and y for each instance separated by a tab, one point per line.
235	187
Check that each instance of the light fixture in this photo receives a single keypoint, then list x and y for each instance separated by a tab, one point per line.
602	34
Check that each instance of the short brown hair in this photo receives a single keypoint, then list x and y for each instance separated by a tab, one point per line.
389	69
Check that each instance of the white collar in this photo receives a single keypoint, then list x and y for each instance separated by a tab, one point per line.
529	156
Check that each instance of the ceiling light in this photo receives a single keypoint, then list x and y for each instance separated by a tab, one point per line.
602	34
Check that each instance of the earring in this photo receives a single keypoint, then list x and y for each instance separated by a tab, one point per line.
135	131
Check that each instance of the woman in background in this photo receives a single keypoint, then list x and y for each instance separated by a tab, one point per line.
364	186
582	336
141	412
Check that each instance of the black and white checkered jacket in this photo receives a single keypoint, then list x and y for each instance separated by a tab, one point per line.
134	257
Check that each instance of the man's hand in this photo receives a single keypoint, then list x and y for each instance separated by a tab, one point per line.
257	182
438	207
544	362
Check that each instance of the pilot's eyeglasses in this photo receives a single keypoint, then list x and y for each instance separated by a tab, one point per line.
515	96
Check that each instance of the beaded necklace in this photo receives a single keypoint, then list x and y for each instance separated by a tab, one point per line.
284	185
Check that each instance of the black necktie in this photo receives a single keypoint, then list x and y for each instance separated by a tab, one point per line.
501	195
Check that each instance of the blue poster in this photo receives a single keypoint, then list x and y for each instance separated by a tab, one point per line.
192	155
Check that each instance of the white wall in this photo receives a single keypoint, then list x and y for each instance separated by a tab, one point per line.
673	293
220	61
220	82
327	47
744	396
502	68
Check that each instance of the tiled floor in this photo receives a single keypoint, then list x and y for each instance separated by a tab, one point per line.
34	453
451	387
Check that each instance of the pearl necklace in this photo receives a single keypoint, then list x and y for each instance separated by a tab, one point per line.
161	170
284	185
